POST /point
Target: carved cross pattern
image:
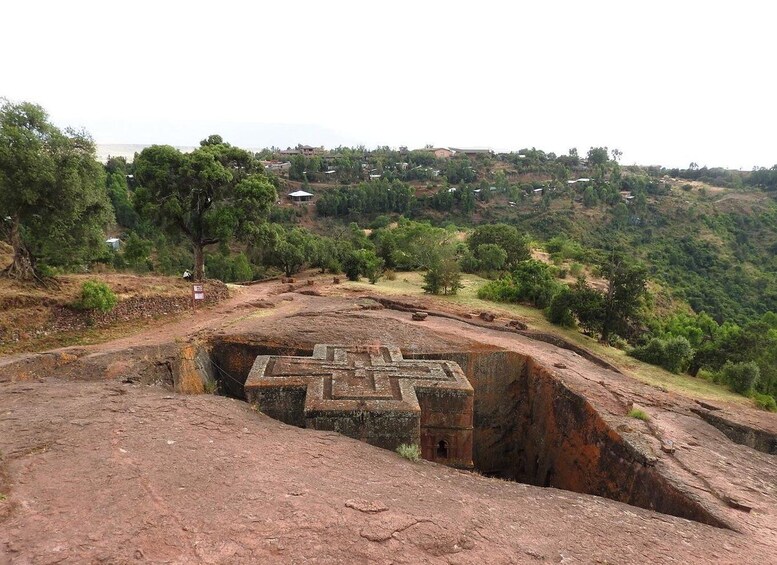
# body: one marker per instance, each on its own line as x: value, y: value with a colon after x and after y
x: 372, y: 394
x: 336, y: 377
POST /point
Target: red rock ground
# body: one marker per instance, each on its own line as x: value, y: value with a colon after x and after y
x: 97, y: 470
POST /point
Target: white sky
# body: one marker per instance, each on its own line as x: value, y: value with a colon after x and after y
x: 666, y: 82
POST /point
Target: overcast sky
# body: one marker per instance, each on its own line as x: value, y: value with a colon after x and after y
x: 666, y: 82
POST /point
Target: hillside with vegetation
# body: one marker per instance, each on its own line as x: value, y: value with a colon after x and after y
x: 677, y: 267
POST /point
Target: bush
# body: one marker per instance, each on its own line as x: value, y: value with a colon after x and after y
x: 97, y: 295
x: 741, y: 377
x: 560, y: 310
x: 531, y: 282
x: 443, y: 277
x: 765, y: 401
x: 469, y: 263
x: 490, y: 257
x: 229, y: 268
x: 410, y: 452
x: 502, y: 290
x: 673, y: 354
x: 576, y: 269
x: 639, y: 414
x: 352, y: 266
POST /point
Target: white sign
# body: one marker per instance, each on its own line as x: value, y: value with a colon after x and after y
x: 199, y: 292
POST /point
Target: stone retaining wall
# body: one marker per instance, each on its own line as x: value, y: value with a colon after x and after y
x: 68, y: 318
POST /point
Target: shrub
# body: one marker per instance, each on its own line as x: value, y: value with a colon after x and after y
x: 443, y: 277
x: 97, y: 295
x: 531, y: 282
x: 333, y: 266
x: 560, y: 310
x: 410, y: 452
x: 229, y: 268
x: 490, y: 257
x: 536, y: 283
x: 765, y: 401
x: 352, y: 266
x: 673, y: 354
x: 575, y: 269
x: 469, y: 263
x: 502, y: 290
x: 639, y: 414
x: 677, y: 354
x: 741, y: 377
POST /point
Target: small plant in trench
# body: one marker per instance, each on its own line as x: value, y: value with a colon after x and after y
x: 410, y: 452
x: 639, y: 414
x: 211, y: 387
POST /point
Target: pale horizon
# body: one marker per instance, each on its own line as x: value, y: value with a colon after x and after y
x: 666, y: 84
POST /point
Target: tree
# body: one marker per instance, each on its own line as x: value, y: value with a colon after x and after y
x: 290, y: 249
x: 559, y: 311
x: 505, y: 236
x: 534, y: 283
x: 386, y: 247
x: 136, y: 252
x: 443, y: 277
x: 587, y: 304
x: 741, y: 377
x: 620, y: 214
x: 598, y: 156
x: 353, y: 265
x: 118, y: 192
x: 590, y: 197
x: 490, y: 257
x: 372, y: 265
x: 626, y: 285
x: 52, y: 192
x: 211, y: 195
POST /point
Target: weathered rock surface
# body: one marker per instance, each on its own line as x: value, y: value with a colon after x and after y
x: 98, y: 466
x: 107, y: 472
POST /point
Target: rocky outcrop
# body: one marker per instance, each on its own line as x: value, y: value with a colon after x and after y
x: 530, y: 427
x: 759, y: 439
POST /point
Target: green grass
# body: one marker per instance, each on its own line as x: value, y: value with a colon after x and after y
x: 410, y: 283
x: 639, y: 414
x: 411, y: 452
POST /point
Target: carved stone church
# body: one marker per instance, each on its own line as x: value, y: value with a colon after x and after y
x: 372, y: 394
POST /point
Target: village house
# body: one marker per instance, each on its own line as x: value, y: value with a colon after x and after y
x: 304, y: 150
x: 300, y: 196
x: 439, y: 152
x: 472, y: 152
x: 278, y: 167
x: 443, y: 153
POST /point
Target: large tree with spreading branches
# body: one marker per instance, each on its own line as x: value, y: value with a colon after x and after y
x: 213, y: 194
x: 53, y: 204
